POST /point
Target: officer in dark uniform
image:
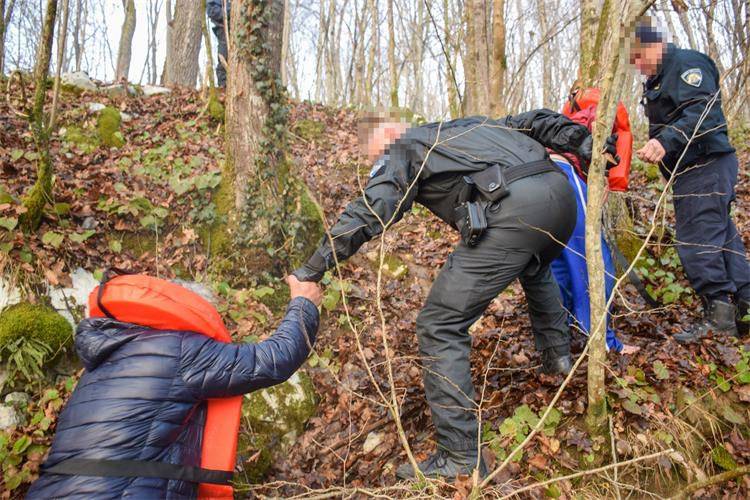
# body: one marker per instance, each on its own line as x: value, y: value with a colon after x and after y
x: 218, y: 13
x: 494, y: 182
x: 688, y: 140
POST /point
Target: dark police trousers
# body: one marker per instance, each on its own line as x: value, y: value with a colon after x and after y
x: 711, y: 251
x: 221, y: 39
x: 519, y: 243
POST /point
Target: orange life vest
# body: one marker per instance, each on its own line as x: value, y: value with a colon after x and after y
x: 581, y: 99
x: 163, y: 305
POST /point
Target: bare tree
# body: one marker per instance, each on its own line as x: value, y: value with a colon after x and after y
x: 6, y: 11
x: 183, y: 44
x: 393, y: 70
x: 499, y: 62
x: 41, y: 191
x: 124, y: 51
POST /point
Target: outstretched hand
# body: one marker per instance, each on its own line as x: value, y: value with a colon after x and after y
x: 610, y: 151
x: 307, y: 289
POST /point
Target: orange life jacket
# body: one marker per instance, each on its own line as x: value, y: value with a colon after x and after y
x: 163, y: 305
x: 581, y: 100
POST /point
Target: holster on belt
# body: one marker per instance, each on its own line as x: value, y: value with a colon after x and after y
x: 486, y: 187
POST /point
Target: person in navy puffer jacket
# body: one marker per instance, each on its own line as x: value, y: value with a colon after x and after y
x: 142, y: 397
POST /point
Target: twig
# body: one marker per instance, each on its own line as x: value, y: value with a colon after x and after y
x: 614, y: 457
x: 587, y: 472
x: 717, y: 479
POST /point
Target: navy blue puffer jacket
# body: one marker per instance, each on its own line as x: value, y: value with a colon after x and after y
x: 142, y: 397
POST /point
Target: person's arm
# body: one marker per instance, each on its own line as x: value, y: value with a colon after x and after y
x: 695, y: 101
x: 554, y: 131
x: 213, y: 369
x: 388, y: 195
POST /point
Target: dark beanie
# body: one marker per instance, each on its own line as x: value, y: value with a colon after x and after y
x: 647, y: 33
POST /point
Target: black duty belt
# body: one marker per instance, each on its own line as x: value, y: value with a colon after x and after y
x: 492, y: 182
x: 138, y: 468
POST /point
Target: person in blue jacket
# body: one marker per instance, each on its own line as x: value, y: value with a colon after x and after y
x: 141, y: 398
x: 570, y: 269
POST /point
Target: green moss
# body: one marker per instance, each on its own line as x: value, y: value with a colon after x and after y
x: 38, y: 322
x: 5, y: 196
x: 137, y: 243
x: 309, y: 130
x: 312, y: 230
x: 71, y: 89
x: 84, y: 140
x: 215, y: 108
x: 272, y: 420
x: 108, y: 127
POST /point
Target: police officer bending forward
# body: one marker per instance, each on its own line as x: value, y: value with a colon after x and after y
x: 688, y: 140
x: 493, y: 181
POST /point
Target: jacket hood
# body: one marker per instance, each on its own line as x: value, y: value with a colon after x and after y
x: 97, y: 338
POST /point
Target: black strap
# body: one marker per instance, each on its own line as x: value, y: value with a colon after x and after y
x: 108, y: 275
x: 517, y: 172
x: 138, y: 468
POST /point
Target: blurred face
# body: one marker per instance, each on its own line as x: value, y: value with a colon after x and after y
x: 647, y: 57
x: 381, y: 137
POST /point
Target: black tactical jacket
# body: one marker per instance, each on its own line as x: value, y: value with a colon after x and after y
x: 675, y: 99
x: 427, y: 163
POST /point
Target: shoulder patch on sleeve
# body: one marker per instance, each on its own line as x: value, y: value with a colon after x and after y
x: 379, y: 166
x: 693, y: 77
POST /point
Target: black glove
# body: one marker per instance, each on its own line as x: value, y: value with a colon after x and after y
x: 584, y: 152
x: 313, y: 269
x: 610, y: 147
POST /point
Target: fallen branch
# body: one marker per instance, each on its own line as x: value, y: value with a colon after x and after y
x: 588, y: 472
x: 713, y: 480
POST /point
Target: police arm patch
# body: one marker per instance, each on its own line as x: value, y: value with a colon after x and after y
x: 693, y: 77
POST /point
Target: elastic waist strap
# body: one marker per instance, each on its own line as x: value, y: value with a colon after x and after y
x: 138, y: 468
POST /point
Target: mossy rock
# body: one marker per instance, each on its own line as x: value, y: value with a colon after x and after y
x: 37, y: 322
x: 136, y: 243
x: 309, y: 130
x: 86, y: 141
x: 108, y: 127
x: 272, y: 421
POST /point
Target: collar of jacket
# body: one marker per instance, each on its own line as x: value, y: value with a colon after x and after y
x: 666, y: 62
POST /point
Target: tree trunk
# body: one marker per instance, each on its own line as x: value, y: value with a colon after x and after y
x: 372, y: 57
x: 499, y: 61
x: 548, y: 94
x: 266, y: 218
x: 470, y: 58
x: 184, y: 44
x: 77, y: 35
x: 41, y: 192
x: 124, y: 51
x: 618, y: 27
x: 6, y: 11
x: 393, y: 71
x: 285, y: 43
x: 589, y: 23
x: 454, y: 104
x: 62, y: 36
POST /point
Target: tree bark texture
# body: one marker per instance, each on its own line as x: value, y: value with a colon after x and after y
x: 184, y: 44
x: 125, y: 50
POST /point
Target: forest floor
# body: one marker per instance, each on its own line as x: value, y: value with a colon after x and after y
x: 142, y: 206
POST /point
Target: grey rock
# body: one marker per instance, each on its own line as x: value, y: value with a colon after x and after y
x: 95, y: 107
x: 149, y: 90
x: 8, y: 417
x: 89, y: 223
x: 78, y: 79
x: 17, y: 399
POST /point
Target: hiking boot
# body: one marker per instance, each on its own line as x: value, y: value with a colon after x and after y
x: 743, y: 317
x: 719, y: 318
x: 556, y: 360
x: 445, y: 464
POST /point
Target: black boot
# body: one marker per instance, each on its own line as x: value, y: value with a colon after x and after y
x: 445, y: 464
x: 719, y: 318
x: 743, y: 317
x: 556, y: 360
